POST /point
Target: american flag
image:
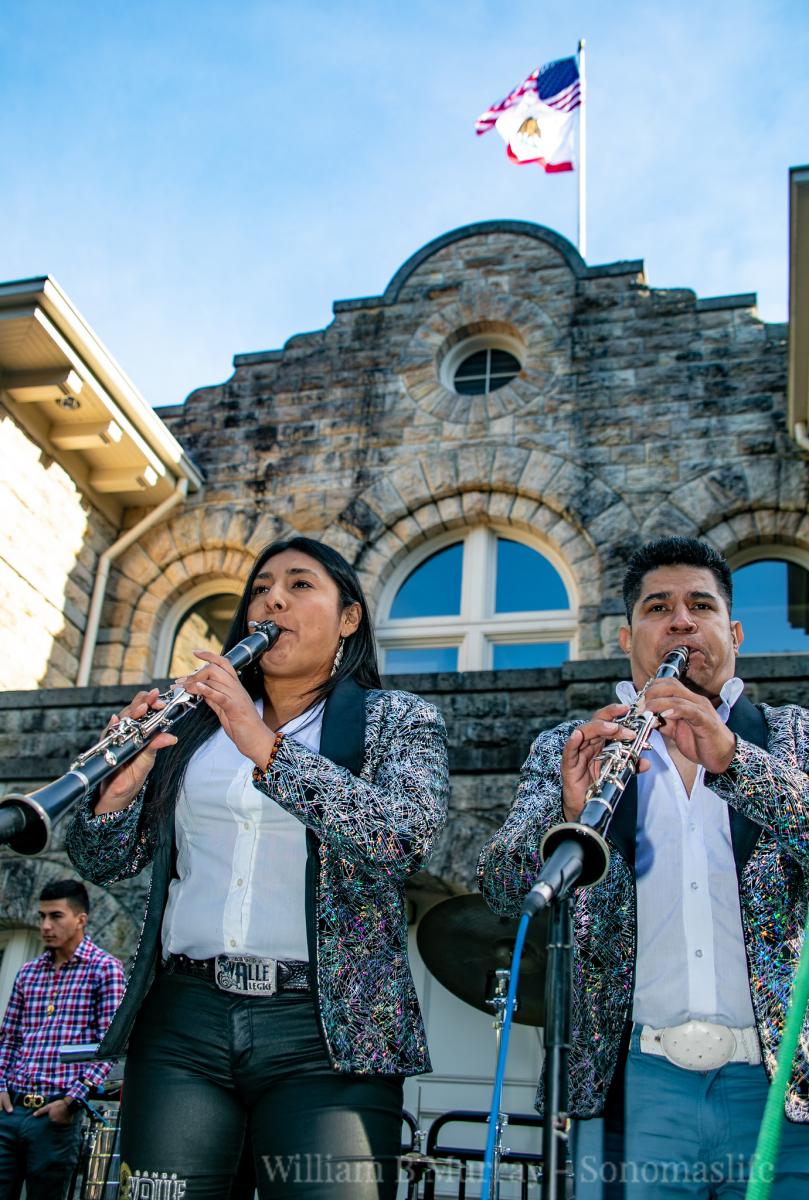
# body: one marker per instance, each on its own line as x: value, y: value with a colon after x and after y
x: 556, y: 84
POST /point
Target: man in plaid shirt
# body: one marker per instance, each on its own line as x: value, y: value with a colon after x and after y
x: 68, y: 995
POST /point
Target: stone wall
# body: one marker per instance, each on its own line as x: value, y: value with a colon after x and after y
x: 491, y: 718
x: 50, y: 540
x: 638, y: 411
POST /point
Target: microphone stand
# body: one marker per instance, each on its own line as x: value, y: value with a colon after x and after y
x: 558, y: 989
x: 576, y: 853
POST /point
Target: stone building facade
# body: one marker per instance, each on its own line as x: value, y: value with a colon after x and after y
x: 633, y: 412
x: 637, y: 411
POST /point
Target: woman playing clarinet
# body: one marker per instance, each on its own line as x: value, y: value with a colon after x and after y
x: 270, y: 1006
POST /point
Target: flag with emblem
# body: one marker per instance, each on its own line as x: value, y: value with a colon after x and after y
x: 537, y: 119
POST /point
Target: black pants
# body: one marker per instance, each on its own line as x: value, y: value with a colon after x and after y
x: 206, y: 1069
x: 38, y: 1151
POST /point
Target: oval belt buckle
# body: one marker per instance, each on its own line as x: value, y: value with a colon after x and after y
x: 698, y: 1045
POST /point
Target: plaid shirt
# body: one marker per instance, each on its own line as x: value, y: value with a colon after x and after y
x: 82, y: 998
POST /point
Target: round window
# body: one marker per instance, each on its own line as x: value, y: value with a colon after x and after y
x: 485, y: 371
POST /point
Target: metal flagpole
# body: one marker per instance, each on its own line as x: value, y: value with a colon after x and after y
x: 582, y: 163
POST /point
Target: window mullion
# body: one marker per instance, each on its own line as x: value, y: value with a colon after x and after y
x: 472, y: 655
x: 473, y: 600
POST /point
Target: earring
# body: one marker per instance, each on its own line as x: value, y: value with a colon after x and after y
x: 338, y: 658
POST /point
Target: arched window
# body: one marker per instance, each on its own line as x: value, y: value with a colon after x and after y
x: 484, y: 600
x: 198, y: 619
x: 204, y: 627
x: 771, y: 599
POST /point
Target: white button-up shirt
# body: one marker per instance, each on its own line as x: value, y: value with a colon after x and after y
x: 691, y: 959
x: 241, y: 860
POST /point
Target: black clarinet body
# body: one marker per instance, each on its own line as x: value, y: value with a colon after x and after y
x: 26, y: 820
x: 576, y: 853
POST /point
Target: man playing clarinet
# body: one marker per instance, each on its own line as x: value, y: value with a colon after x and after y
x: 685, y: 953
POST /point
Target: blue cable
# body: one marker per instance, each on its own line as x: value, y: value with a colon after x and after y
x: 488, y: 1161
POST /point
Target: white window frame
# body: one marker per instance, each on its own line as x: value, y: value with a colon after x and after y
x: 179, y: 611
x: 478, y: 628
x: 481, y: 341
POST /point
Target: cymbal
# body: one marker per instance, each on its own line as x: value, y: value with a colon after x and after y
x: 463, y: 943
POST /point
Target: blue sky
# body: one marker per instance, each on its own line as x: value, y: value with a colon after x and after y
x: 205, y: 178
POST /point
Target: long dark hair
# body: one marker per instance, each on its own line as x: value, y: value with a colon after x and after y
x: 358, y: 663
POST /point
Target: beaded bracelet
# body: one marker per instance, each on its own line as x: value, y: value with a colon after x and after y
x: 259, y: 772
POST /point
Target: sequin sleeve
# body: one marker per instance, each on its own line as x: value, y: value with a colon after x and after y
x: 112, y: 846
x: 388, y: 818
x: 771, y: 786
x: 509, y: 862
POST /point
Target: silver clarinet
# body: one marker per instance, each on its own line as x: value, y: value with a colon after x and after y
x: 26, y: 820
x: 619, y: 762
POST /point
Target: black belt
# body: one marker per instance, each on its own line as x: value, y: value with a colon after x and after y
x: 243, y: 974
x: 34, y: 1099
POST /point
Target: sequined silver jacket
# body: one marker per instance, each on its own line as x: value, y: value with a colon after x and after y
x: 368, y: 829
x: 767, y: 792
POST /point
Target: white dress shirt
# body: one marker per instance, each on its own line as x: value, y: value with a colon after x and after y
x: 241, y: 860
x: 691, y: 959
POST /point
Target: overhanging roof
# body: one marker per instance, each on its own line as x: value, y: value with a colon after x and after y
x: 67, y: 391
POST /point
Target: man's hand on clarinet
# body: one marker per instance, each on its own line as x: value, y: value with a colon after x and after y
x: 693, y: 724
x: 124, y: 784
x: 580, y: 757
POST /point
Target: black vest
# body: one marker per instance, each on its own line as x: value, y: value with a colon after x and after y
x: 747, y: 722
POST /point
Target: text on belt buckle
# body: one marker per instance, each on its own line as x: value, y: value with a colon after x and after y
x: 33, y: 1100
x: 245, y: 975
x: 698, y: 1045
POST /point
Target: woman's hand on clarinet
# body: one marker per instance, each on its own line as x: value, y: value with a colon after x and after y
x: 218, y: 685
x: 581, y: 755
x: 123, y: 786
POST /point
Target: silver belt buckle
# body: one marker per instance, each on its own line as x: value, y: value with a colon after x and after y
x: 245, y: 975
x: 698, y: 1045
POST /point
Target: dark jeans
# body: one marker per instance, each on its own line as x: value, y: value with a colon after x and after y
x: 206, y: 1069
x: 38, y: 1152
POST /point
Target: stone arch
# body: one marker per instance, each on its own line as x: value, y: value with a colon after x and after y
x: 159, y: 597
x: 765, y: 527
x: 491, y: 508
x: 741, y: 485
x: 200, y: 543
x: 534, y: 490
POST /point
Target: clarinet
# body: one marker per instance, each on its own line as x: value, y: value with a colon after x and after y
x: 26, y: 820
x: 576, y: 852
